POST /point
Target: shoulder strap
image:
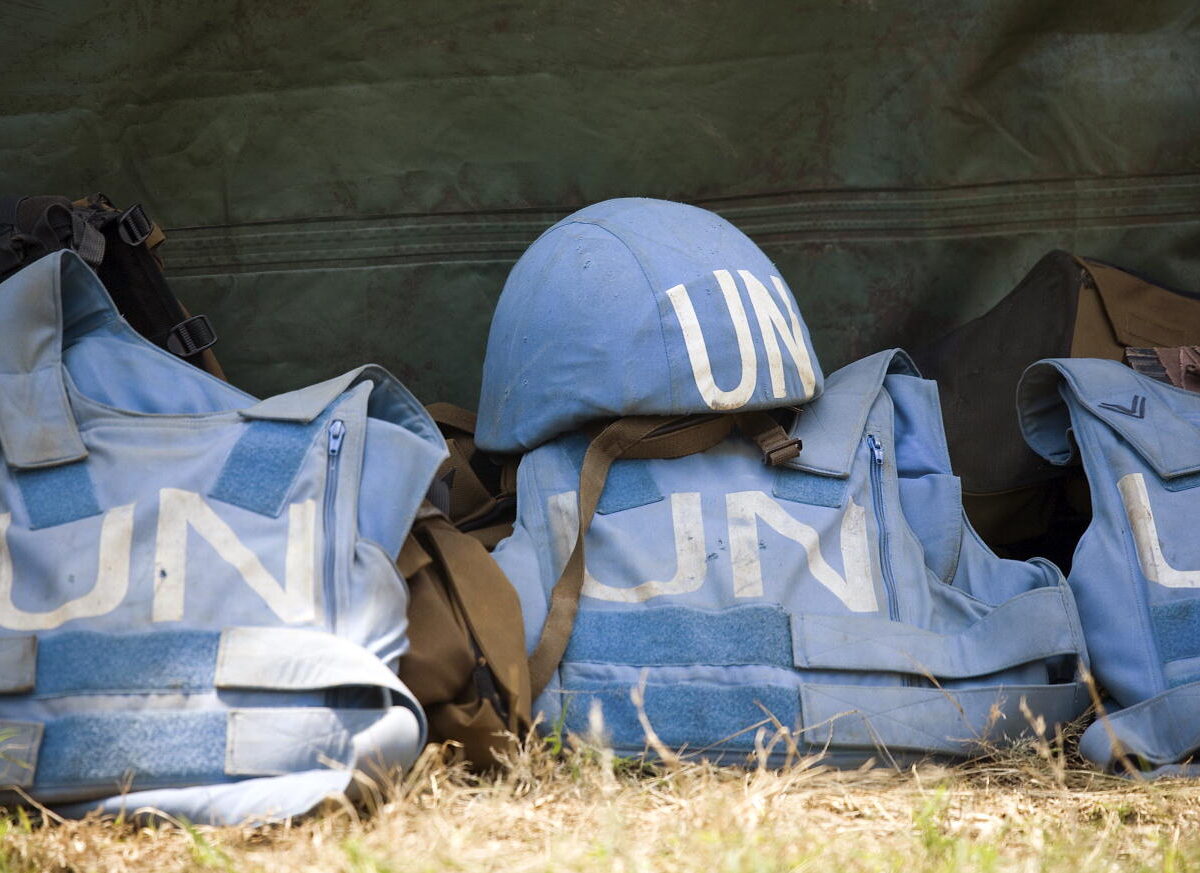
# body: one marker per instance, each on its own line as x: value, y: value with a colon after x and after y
x: 642, y: 436
x: 37, y: 425
x: 455, y: 417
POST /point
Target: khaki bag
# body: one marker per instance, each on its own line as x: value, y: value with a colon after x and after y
x: 466, y: 662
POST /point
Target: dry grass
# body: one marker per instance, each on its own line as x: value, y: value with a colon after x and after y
x: 1028, y: 809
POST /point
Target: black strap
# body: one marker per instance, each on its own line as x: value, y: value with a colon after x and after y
x: 191, y: 336
x: 134, y: 226
x: 8, y: 210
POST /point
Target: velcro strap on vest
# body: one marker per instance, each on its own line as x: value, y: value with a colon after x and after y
x: 935, y: 720
x: 114, y: 751
x: 264, y: 462
x: 1030, y: 627
x: 700, y: 717
x: 683, y: 715
x: 1159, y: 731
x: 259, y: 658
x: 664, y: 636
x: 170, y: 746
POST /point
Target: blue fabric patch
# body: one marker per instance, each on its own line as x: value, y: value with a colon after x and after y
x: 1181, y: 483
x: 81, y: 662
x: 801, y: 487
x: 629, y: 483
x: 1177, y: 629
x: 695, y: 715
x: 667, y: 635
x: 259, y: 471
x: 57, y: 495
x: 156, y: 748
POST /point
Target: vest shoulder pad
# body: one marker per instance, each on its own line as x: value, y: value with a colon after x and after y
x: 831, y: 426
x: 1150, y: 416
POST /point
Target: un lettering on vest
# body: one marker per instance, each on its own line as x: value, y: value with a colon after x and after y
x: 746, y: 512
x: 777, y: 323
x: 1146, y: 541
x: 179, y: 512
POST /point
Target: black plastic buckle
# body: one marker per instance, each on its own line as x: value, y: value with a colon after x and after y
x: 134, y: 226
x: 782, y: 452
x: 191, y: 336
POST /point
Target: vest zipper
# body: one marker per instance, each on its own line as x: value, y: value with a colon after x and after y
x: 885, y: 556
x: 337, y: 433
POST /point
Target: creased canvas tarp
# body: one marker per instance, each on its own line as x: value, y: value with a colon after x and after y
x: 349, y: 181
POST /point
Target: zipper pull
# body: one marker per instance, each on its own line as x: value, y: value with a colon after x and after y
x: 876, y: 449
x: 337, y: 433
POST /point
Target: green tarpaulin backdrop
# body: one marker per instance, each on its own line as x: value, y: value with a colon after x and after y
x: 350, y: 181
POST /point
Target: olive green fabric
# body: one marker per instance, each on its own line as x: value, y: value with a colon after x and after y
x: 348, y: 181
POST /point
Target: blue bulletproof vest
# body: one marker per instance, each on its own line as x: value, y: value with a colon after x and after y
x: 841, y: 596
x: 199, y: 608
x: 1136, y: 570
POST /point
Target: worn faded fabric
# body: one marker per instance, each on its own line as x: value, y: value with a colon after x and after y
x: 1136, y: 570
x: 839, y: 597
x: 623, y: 308
x: 199, y: 608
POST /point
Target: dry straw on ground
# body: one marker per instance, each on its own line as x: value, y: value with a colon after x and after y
x: 1030, y: 809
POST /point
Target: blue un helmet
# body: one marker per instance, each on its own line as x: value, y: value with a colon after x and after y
x: 639, y: 307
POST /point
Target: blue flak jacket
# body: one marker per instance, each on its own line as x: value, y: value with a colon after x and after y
x: 842, y: 596
x: 199, y: 607
x: 1136, y: 570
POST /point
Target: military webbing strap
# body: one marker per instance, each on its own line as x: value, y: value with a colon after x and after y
x: 478, y: 507
x: 453, y: 416
x: 641, y: 437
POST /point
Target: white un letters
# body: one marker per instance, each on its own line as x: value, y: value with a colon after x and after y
x: 745, y: 512
x: 1146, y: 541
x: 293, y: 601
x: 775, y: 325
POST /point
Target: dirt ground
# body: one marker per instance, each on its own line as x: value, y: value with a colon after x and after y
x: 1036, y: 808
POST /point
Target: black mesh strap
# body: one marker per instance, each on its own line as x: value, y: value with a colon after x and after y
x: 87, y: 240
